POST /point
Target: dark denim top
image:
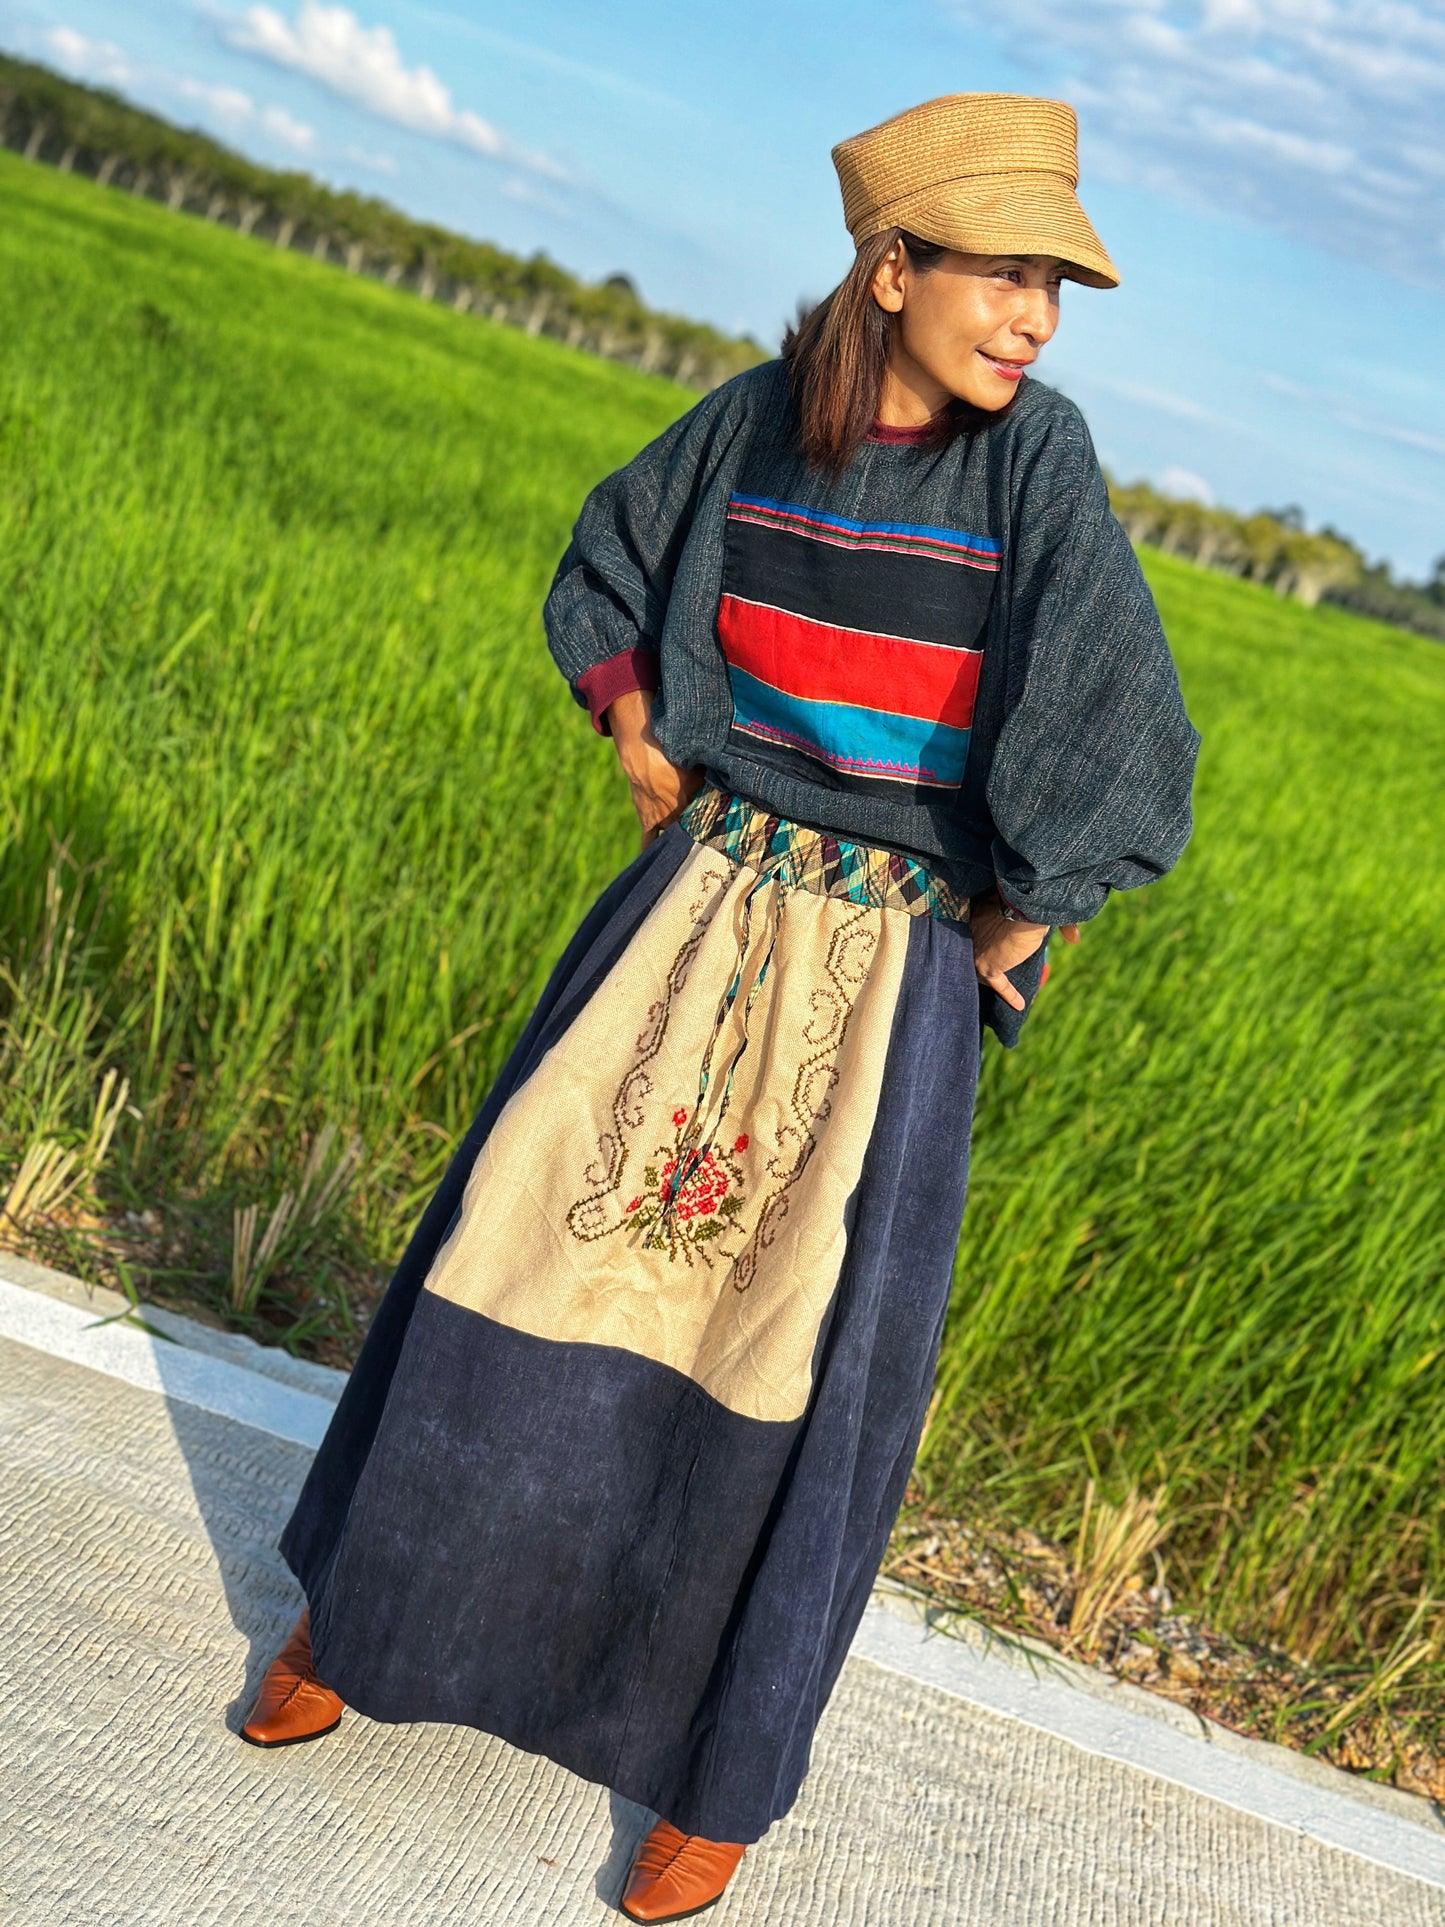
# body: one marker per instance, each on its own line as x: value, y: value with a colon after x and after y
x: 1081, y: 755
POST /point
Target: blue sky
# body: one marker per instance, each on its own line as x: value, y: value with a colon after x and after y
x: 1268, y: 174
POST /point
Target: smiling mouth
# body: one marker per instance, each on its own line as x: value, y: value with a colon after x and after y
x: 1009, y: 370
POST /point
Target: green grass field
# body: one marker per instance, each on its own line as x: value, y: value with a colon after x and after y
x: 295, y: 814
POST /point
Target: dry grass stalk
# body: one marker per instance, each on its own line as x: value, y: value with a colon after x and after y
x: 1405, y: 1656
x: 243, y: 1237
x: 1113, y: 1541
x: 251, y: 1264
x: 42, y: 1182
x: 49, y: 1174
x: 303, y: 1209
x: 111, y: 1100
x: 330, y: 1189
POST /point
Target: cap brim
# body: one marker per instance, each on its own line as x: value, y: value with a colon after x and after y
x: 1003, y: 214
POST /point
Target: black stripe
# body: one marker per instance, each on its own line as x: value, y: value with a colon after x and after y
x: 823, y: 776
x: 893, y: 595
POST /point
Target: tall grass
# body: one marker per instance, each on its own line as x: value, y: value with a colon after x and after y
x: 274, y: 698
x: 1205, y: 1236
x: 295, y: 814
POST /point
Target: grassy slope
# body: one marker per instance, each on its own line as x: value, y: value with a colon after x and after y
x: 272, y: 547
x: 1204, y: 1242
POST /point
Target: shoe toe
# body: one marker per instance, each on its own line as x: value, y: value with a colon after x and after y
x: 677, y: 1875
x: 305, y: 1713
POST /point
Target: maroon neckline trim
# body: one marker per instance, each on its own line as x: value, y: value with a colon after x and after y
x: 880, y: 432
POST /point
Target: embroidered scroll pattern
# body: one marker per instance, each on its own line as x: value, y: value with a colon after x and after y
x: 707, y: 1219
x: 588, y: 1218
x: 727, y: 1276
x: 850, y: 951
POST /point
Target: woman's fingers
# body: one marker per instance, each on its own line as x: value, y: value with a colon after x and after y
x: 658, y: 811
x: 660, y: 790
x: 1001, y: 987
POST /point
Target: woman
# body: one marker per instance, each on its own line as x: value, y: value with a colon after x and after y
x: 617, y: 1466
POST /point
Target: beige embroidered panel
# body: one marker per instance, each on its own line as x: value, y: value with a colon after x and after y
x: 570, y: 1228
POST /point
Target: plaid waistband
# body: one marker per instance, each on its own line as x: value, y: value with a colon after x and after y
x: 816, y: 860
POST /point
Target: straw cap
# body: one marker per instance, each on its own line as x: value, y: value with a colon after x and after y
x: 983, y: 173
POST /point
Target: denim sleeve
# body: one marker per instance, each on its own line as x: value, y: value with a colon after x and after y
x: 609, y: 596
x: 1089, y: 789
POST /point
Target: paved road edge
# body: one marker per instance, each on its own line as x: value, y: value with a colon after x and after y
x: 219, y: 1372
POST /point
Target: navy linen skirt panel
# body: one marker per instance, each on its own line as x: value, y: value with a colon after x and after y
x: 617, y: 1465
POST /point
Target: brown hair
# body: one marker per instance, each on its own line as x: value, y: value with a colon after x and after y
x: 836, y: 353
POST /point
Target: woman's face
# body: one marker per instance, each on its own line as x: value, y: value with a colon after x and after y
x: 970, y: 326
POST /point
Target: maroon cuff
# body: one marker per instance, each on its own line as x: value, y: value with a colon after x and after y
x: 606, y: 681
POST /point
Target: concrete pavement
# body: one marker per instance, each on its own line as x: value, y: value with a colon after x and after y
x: 141, y: 1597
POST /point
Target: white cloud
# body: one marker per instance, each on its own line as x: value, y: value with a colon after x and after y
x: 603, y: 79
x: 226, y: 103
x: 517, y: 187
x: 1184, y: 482
x: 236, y: 109
x: 95, y: 59
x: 285, y: 128
x: 1314, y: 156
x: 1159, y: 398
x: 1391, y: 431
x: 366, y: 157
x: 363, y: 64
x: 1349, y: 414
x: 1319, y: 118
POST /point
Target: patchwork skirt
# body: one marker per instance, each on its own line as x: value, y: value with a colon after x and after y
x: 617, y: 1465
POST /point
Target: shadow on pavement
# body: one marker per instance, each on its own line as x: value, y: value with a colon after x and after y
x: 629, y: 1823
x: 245, y: 1483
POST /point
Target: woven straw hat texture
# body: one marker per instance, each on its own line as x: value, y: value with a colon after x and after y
x: 983, y: 173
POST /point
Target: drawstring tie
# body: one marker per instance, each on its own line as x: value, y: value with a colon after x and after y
x: 698, y: 1138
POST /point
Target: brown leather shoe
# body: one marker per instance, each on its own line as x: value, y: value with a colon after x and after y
x: 676, y: 1875
x: 292, y: 1704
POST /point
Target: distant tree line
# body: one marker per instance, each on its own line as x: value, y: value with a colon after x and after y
x: 91, y: 131
x: 1273, y: 546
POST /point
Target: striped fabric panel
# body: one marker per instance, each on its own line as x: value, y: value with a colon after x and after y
x: 856, y: 742
x: 824, y: 685
x: 897, y: 538
x: 820, y: 662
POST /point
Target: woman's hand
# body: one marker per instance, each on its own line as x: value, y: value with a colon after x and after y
x: 1001, y: 944
x: 660, y: 790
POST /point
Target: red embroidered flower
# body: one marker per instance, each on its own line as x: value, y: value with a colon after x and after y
x: 636, y: 1205
x: 679, y: 1117
x: 703, y: 1192
x: 742, y: 1143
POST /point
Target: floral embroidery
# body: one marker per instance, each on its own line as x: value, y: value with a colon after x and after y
x: 705, y: 1207
x: 705, y: 1217
x: 588, y: 1219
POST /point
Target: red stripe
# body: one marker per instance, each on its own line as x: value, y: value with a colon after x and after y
x: 827, y: 665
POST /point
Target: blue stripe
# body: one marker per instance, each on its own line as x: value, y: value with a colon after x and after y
x: 865, y: 742
x: 841, y: 522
